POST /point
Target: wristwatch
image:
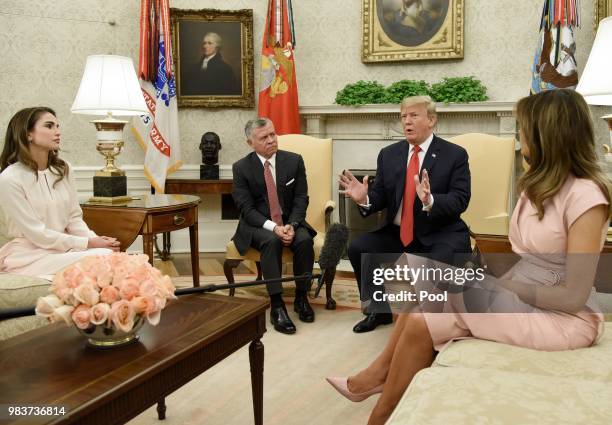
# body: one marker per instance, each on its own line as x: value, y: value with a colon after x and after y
x: 295, y: 224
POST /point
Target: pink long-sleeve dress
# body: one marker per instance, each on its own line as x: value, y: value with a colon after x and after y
x: 542, y: 245
x: 44, y: 221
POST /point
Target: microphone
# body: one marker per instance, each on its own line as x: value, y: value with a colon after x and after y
x: 331, y: 252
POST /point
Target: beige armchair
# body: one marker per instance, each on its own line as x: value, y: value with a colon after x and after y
x: 317, y: 154
x: 491, y: 167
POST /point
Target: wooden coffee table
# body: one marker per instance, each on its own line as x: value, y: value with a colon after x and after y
x: 52, y: 365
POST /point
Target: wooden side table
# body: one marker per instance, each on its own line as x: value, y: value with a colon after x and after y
x: 147, y: 216
x: 198, y: 186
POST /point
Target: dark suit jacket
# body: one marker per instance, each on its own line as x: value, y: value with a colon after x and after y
x: 449, y: 177
x: 251, y: 196
x: 217, y: 79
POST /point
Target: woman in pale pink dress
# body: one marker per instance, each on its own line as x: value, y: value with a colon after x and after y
x: 39, y: 200
x: 558, y: 228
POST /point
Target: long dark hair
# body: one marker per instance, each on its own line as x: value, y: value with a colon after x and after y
x: 16, y: 144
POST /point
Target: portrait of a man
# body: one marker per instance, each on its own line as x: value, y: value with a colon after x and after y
x: 213, y: 57
x: 210, y: 74
x: 411, y: 22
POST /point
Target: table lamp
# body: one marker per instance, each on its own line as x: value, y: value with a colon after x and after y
x: 595, y: 85
x: 109, y: 87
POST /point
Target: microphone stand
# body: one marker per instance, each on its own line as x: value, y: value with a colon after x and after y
x: 13, y: 313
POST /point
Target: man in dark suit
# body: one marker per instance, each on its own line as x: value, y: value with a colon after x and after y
x: 211, y: 75
x: 424, y: 184
x: 271, y: 193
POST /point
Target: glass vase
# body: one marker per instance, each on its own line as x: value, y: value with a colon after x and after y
x: 102, y: 336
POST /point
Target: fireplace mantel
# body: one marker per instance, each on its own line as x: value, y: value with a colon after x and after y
x: 381, y: 122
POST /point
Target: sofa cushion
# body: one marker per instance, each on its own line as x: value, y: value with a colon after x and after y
x: 458, y: 395
x: 14, y: 327
x: 587, y: 363
x: 21, y: 291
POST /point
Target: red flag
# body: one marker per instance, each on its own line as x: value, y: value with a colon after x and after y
x: 278, y: 95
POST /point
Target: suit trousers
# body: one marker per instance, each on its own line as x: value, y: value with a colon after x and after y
x: 387, y: 241
x: 271, y: 249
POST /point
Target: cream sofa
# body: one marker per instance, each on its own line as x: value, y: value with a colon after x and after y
x: 19, y: 291
x: 474, y: 381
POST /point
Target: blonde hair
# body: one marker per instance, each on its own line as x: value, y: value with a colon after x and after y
x: 557, y: 128
x: 420, y: 100
x: 16, y: 144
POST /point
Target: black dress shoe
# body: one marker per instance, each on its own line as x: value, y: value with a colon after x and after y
x: 281, y: 321
x: 371, y: 321
x: 302, y: 307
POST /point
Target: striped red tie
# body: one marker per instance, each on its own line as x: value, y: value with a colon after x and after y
x: 407, y: 223
x: 275, y: 209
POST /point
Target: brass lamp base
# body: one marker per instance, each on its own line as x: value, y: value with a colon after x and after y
x: 109, y: 183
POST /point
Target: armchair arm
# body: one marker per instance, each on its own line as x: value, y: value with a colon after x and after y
x: 329, y: 207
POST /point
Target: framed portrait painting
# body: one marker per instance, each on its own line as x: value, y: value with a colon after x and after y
x: 403, y: 30
x: 213, y: 57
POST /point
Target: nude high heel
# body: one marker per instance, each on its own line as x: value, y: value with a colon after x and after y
x: 341, y: 385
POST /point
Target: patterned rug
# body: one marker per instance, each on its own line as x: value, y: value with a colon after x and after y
x: 344, y: 290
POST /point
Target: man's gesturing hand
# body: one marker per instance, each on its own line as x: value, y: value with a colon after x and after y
x: 423, y: 189
x: 357, y: 191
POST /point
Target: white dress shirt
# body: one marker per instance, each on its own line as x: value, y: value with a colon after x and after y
x: 205, y: 62
x: 424, y: 148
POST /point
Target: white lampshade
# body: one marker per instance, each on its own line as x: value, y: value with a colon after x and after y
x: 596, y: 82
x: 109, y: 85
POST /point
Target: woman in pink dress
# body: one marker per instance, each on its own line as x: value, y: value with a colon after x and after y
x: 558, y: 228
x: 39, y: 200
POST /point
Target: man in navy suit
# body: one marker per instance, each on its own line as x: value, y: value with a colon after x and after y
x: 424, y: 196
x: 271, y: 193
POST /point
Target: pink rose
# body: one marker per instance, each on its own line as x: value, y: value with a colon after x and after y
x: 62, y: 313
x: 148, y: 288
x: 129, y: 289
x: 87, y: 294
x: 122, y: 315
x: 82, y: 316
x: 63, y: 292
x: 144, y: 305
x: 168, y: 286
x: 72, y: 276
x: 119, y: 274
x: 153, y: 318
x: 109, y: 295
x: 45, y: 306
x: 99, y: 313
x: 105, y: 278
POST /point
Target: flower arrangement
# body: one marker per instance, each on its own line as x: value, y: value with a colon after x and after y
x: 109, y: 290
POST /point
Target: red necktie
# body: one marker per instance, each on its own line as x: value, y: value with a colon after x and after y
x: 407, y: 223
x: 275, y: 209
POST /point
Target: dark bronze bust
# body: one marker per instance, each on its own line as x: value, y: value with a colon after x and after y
x: 210, y: 145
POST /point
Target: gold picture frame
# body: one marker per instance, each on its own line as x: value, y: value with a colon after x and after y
x: 404, y: 30
x: 221, y: 74
x: 604, y: 9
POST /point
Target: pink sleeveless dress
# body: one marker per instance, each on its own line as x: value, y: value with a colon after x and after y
x: 542, y: 245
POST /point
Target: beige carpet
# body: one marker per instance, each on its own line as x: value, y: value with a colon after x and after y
x: 295, y: 390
